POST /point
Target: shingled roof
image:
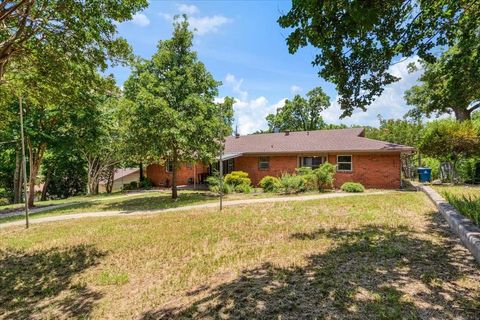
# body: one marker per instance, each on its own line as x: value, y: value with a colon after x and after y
x: 324, y: 141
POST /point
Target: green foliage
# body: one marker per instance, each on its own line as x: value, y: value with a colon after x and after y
x: 352, y: 187
x: 243, y: 188
x: 433, y: 164
x: 325, y: 176
x: 270, y: 184
x: 170, y: 111
x: 450, y: 84
x: 358, y: 41
x: 292, y: 183
x: 400, y: 131
x: 450, y: 140
x: 4, y: 201
x: 308, y: 176
x: 236, y: 178
x: 65, y: 31
x: 146, y: 184
x: 467, y: 205
x: 65, y: 173
x: 301, y: 114
x: 216, y: 184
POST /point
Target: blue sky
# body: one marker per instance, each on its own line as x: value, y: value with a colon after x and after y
x: 242, y: 45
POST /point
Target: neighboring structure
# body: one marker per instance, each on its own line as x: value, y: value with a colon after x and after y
x: 121, y: 177
x: 375, y: 164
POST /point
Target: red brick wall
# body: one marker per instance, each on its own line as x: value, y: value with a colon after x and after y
x: 159, y: 175
x: 278, y: 165
x: 372, y: 170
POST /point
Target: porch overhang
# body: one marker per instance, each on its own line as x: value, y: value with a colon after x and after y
x: 228, y: 156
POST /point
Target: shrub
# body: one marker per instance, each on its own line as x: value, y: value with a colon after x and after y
x: 133, y: 185
x: 270, y: 184
x: 4, y: 201
x: 226, y: 188
x: 324, y: 176
x: 236, y: 178
x: 292, y: 183
x: 352, y: 187
x: 214, y: 183
x: 243, y: 188
x: 146, y: 184
x: 308, y: 176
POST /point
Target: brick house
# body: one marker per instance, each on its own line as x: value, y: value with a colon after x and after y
x: 375, y: 164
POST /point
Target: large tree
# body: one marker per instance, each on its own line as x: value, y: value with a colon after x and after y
x: 171, y: 114
x: 300, y: 113
x: 81, y: 31
x: 359, y: 40
x: 451, y: 84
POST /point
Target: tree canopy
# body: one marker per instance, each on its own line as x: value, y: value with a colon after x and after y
x: 451, y: 84
x: 170, y: 112
x: 84, y: 32
x: 300, y: 113
x: 359, y: 40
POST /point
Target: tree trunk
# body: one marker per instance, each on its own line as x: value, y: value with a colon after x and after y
x: 462, y: 114
x: 110, y: 176
x: 35, y: 160
x: 17, y: 178
x: 174, y: 178
x: 142, y: 177
x: 45, y: 187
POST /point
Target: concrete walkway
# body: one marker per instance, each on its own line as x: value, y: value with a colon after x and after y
x: 185, y: 208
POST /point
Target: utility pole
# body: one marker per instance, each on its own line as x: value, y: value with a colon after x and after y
x: 24, y: 162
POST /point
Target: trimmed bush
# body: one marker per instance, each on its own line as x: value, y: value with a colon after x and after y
x: 4, y: 201
x: 352, y: 187
x: 236, y: 178
x: 243, y: 188
x: 292, y: 183
x: 270, y: 184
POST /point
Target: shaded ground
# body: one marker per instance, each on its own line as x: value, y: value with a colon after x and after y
x: 41, y: 282
x: 377, y: 257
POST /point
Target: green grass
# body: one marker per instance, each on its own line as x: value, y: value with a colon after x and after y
x: 377, y: 257
x: 142, y: 201
x: 466, y: 199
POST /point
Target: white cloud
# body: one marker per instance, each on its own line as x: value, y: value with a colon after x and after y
x: 236, y: 86
x: 250, y: 114
x: 204, y: 25
x: 188, y: 9
x: 201, y: 25
x: 141, y: 20
x: 295, y: 89
x: 390, y: 104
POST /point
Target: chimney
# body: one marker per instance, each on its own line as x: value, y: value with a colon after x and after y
x: 287, y: 132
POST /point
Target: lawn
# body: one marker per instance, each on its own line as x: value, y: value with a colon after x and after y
x: 155, y: 200
x: 378, y: 257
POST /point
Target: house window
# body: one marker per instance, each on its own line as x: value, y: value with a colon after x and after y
x: 169, y: 166
x: 312, y: 162
x: 344, y: 163
x: 263, y: 163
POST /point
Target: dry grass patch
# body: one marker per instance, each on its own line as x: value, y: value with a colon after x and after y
x: 378, y: 256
